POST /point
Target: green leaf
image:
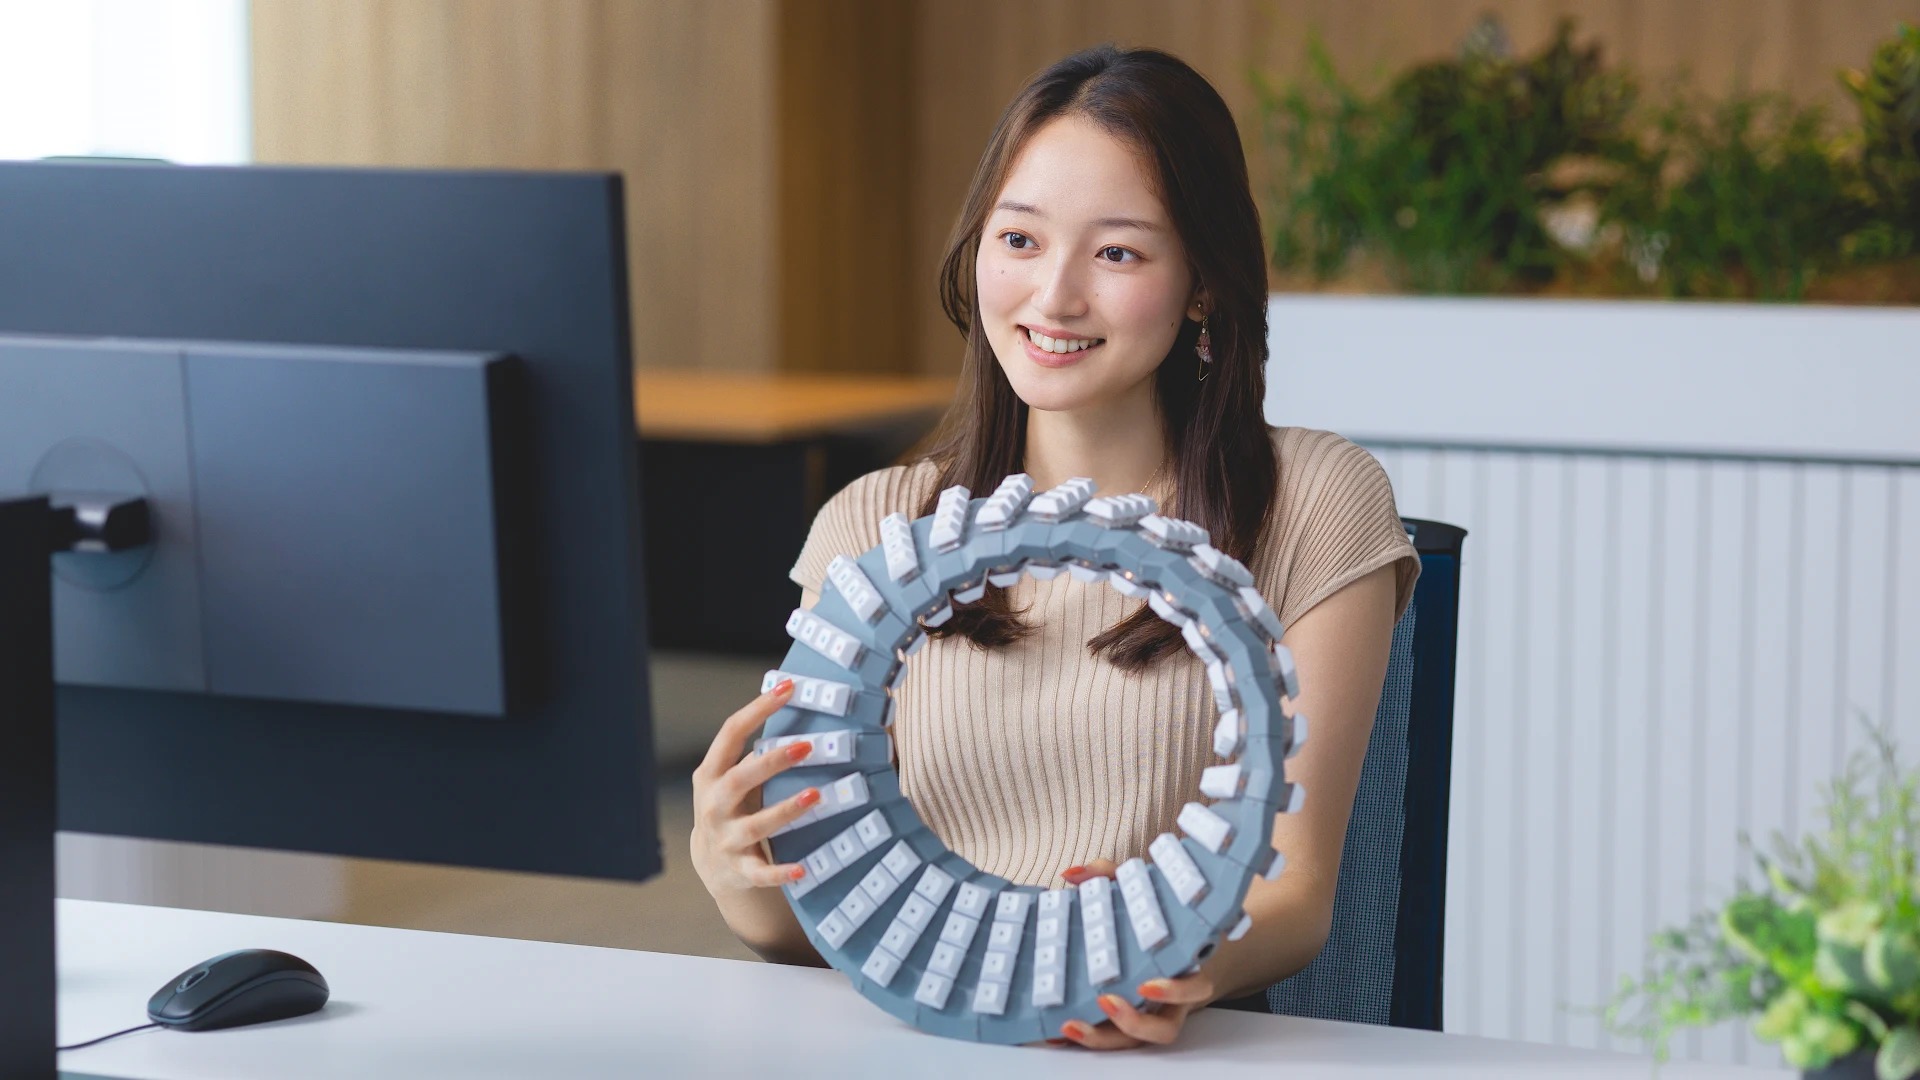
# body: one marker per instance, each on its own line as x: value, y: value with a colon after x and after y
x: 1770, y: 934
x: 1893, y: 959
x: 1899, y: 1056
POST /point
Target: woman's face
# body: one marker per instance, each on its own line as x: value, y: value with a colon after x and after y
x: 1082, y: 282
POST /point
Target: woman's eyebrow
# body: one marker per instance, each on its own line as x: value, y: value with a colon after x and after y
x: 1110, y: 222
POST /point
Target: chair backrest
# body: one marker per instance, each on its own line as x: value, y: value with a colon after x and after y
x: 1382, y: 961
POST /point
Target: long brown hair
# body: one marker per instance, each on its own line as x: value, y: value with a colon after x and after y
x: 1222, y: 456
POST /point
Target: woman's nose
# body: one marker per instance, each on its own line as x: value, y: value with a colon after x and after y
x: 1062, y: 291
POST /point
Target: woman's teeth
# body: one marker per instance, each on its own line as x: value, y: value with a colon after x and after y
x: 1061, y: 345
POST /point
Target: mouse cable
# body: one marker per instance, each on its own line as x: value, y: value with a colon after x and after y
x: 104, y: 1038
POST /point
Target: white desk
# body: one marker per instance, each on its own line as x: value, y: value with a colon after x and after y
x: 409, y: 1004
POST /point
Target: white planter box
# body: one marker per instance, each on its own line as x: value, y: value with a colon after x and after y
x: 1693, y: 558
x: 1747, y: 378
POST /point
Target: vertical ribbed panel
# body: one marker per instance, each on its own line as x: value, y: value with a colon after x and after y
x: 1657, y: 654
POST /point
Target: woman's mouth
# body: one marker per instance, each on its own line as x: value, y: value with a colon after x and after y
x: 1056, y: 352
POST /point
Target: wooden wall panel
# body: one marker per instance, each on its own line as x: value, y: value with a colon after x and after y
x: 845, y: 115
x: 676, y: 95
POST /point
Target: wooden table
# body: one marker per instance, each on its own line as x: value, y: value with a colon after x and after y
x: 733, y: 468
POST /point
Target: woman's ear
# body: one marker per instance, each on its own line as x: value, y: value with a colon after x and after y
x: 1198, y: 307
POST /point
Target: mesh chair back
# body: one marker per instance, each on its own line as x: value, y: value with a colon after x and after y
x: 1382, y: 960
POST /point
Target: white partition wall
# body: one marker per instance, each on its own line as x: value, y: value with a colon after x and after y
x: 1693, y: 561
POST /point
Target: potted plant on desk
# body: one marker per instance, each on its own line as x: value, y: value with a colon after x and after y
x: 1825, y: 957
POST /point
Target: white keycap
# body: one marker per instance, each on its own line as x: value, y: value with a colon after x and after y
x: 933, y: 990
x: 1296, y: 798
x: 933, y: 884
x: 856, y: 908
x: 997, y: 966
x: 1240, y: 928
x: 1049, y: 989
x: 1006, y: 579
x: 847, y: 847
x: 1157, y: 600
x: 1149, y: 930
x: 1210, y: 829
x: 1173, y: 534
x: 1088, y: 574
x: 1289, y: 675
x: 1299, y: 722
x: 880, y: 966
x: 807, y: 883
x: 818, y: 695
x: 1259, y: 613
x: 1054, y: 901
x: 901, y: 861
x: 899, y: 937
x: 990, y: 998
x: 1005, y: 503
x: 1220, y: 566
x: 1098, y: 935
x: 1050, y: 928
x: 1199, y: 643
x: 1059, y: 503
x: 950, y: 519
x: 972, y: 900
x: 970, y: 596
x: 1012, y: 906
x: 1223, y: 781
x: 896, y: 540
x: 916, y: 912
x: 1048, y: 956
x: 1119, y: 511
x: 937, y: 618
x: 946, y: 959
x: 1127, y: 586
x: 879, y: 884
x: 822, y: 863
x: 959, y: 929
x: 1221, y: 680
x: 1002, y: 936
x: 1182, y: 873
x: 1103, y: 965
x: 1230, y: 734
x: 872, y: 830
x: 1275, y: 867
x: 848, y: 792
x: 835, y: 929
x: 824, y: 638
x: 855, y: 588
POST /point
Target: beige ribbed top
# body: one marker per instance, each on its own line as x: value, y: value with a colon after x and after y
x: 1029, y: 758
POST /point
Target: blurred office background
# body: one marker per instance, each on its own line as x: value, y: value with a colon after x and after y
x: 1694, y: 557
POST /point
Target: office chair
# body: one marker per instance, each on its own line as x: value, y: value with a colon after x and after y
x: 1382, y: 960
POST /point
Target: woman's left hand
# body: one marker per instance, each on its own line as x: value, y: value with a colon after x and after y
x: 1126, y: 1026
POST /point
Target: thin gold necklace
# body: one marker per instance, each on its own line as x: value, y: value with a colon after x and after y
x: 1155, y: 476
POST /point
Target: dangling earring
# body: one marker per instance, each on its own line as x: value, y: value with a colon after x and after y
x: 1203, y: 346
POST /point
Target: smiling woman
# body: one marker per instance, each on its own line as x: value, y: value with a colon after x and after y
x: 1051, y: 729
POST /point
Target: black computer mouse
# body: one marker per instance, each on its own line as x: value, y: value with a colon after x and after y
x: 250, y: 986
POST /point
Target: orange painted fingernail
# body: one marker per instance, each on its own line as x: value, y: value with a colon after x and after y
x: 799, y: 751
x: 808, y: 797
x: 1073, y: 1029
x: 1155, y: 989
x: 1109, y: 1004
x: 781, y: 687
x: 1072, y: 872
x: 797, y: 872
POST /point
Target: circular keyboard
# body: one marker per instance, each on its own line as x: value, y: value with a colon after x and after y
x: 923, y: 933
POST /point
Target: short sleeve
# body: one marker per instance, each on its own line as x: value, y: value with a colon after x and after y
x: 1336, y: 523
x: 849, y: 523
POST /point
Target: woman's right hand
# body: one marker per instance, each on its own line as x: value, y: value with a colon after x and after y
x: 729, y: 822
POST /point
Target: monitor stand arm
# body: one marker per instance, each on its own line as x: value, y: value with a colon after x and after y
x: 31, y: 531
x: 27, y: 529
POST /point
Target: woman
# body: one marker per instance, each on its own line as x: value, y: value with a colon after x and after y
x: 1108, y: 275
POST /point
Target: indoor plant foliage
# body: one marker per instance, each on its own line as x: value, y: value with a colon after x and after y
x: 1554, y: 172
x: 1824, y: 955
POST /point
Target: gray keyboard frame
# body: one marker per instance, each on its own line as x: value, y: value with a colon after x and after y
x: 1254, y: 673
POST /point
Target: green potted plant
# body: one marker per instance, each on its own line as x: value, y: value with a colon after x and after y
x: 1822, y: 957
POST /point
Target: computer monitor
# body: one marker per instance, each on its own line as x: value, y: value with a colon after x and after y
x: 384, y: 421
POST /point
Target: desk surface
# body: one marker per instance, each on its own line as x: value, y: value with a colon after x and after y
x: 746, y: 408
x: 413, y: 1004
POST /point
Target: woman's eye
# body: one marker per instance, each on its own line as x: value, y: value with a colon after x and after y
x: 1117, y: 254
x: 1017, y: 241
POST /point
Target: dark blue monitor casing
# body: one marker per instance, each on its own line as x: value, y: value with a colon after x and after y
x: 544, y: 764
